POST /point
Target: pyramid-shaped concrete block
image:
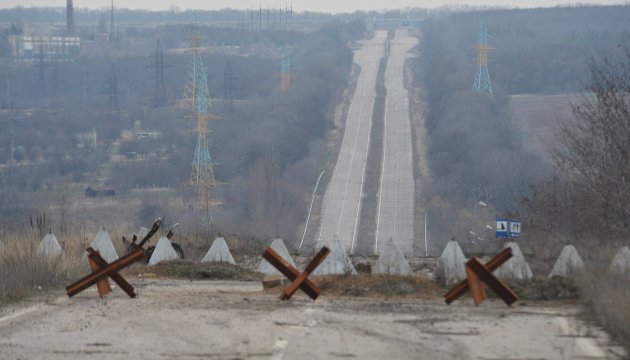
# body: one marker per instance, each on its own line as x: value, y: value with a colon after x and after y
x: 391, y: 261
x: 278, y: 246
x: 569, y: 262
x: 103, y: 244
x: 516, y: 268
x: 50, y: 246
x: 337, y: 262
x: 621, y: 262
x: 163, y: 251
x: 219, y: 252
x: 450, y: 267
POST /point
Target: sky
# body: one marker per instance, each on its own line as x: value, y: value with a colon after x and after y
x: 330, y: 6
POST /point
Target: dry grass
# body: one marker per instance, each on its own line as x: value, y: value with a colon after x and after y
x: 24, y: 271
x: 609, y: 297
x: 201, y: 271
x: 379, y: 286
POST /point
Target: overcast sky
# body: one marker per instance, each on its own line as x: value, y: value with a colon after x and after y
x: 332, y: 6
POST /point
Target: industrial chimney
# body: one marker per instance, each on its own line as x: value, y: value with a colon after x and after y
x: 69, y: 18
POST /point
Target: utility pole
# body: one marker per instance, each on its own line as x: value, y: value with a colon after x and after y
x: 482, y: 79
x: 260, y: 18
x: 41, y: 74
x: 196, y: 95
x: 111, y: 23
x: 228, y: 87
x: 112, y: 90
x: 12, y: 159
x: 160, y: 88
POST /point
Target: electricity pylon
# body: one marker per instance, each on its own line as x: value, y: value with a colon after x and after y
x: 285, y: 70
x: 228, y: 87
x: 112, y: 90
x: 160, y: 89
x: 482, y: 80
x: 197, y: 99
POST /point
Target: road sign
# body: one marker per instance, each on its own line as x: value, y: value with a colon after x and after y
x: 515, y: 229
x: 502, y: 229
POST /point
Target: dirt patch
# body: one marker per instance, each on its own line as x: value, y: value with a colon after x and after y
x: 378, y: 286
x: 201, y: 271
x: 556, y: 288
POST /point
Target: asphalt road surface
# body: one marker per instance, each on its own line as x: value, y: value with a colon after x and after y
x: 180, y: 319
x: 396, y: 195
x: 342, y: 199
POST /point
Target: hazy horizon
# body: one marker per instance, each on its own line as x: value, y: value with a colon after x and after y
x: 329, y: 6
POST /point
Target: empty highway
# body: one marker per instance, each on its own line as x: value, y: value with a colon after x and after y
x: 396, y: 195
x: 342, y: 199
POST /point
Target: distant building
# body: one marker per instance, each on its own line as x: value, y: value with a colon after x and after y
x: 52, y: 47
x: 149, y: 135
x: 99, y: 191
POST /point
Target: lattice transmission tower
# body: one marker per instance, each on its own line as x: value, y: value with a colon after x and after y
x: 197, y: 99
x: 285, y: 69
x: 112, y: 90
x: 482, y: 80
x: 160, y: 89
x: 228, y: 87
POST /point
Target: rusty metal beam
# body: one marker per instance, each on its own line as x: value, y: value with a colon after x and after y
x: 292, y: 288
x: 124, y: 285
x: 290, y: 272
x: 102, y: 284
x: 462, y: 287
x: 504, y: 292
x: 477, y: 290
x: 115, y: 266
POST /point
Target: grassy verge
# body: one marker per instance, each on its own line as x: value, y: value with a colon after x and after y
x: 201, y: 271
x: 25, y: 271
x: 379, y: 286
x: 609, y: 299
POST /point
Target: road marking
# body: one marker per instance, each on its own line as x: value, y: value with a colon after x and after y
x: 278, y: 348
x: 380, y: 188
x: 356, y: 219
x: 586, y: 345
x: 20, y: 313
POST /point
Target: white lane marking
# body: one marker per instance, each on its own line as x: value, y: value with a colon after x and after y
x: 356, y: 137
x: 380, y: 188
x: 20, y: 313
x: 278, y: 348
x: 590, y: 348
x: 587, y: 345
x: 328, y: 194
x: 356, y: 218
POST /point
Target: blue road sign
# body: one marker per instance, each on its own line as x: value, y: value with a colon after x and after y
x: 515, y: 229
x: 503, y: 228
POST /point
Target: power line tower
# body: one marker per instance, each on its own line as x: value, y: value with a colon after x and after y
x: 285, y: 70
x: 482, y: 80
x: 112, y: 29
x: 69, y: 18
x: 112, y: 90
x: 228, y: 87
x: 197, y: 99
x: 160, y: 88
x: 41, y: 71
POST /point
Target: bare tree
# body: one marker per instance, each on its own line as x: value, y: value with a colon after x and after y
x: 594, y: 150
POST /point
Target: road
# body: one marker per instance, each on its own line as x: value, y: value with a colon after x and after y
x: 180, y: 319
x: 342, y: 200
x: 397, y: 190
